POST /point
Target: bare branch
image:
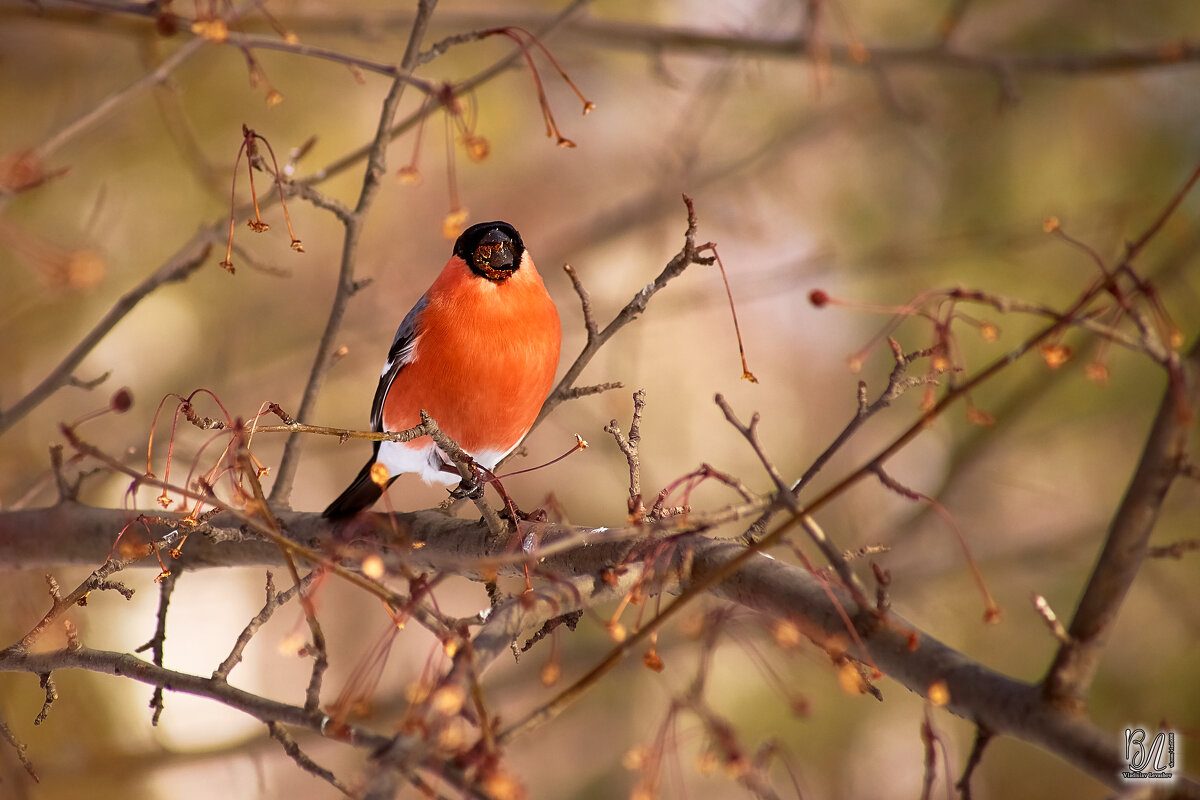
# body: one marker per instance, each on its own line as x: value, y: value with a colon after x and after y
x: 180, y: 266
x: 166, y: 588
x: 19, y: 747
x: 687, y: 255
x: 376, y: 167
x: 46, y: 681
x: 585, y: 302
x: 1004, y: 706
x: 129, y: 666
x: 856, y: 56
x: 982, y: 737
x: 108, y: 105
x: 1125, y: 544
x: 274, y: 600
x: 629, y: 447
x: 1174, y: 549
x: 279, y: 734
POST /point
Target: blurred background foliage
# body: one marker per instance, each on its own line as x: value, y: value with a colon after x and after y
x: 885, y: 162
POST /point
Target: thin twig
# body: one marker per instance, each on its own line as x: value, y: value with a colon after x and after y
x: 833, y: 554
x: 897, y: 383
x: 585, y: 302
x: 46, y: 681
x: 317, y: 649
x: 1174, y: 549
x: 166, y: 588
x: 61, y: 604
x: 20, y: 748
x: 108, y: 105
x: 982, y: 737
x: 274, y: 601
x: 687, y: 256
x: 629, y: 447
x: 303, y: 49
x: 279, y: 734
x: 187, y: 260
x: 587, y: 391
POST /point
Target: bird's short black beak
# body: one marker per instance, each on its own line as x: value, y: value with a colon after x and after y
x: 495, y: 252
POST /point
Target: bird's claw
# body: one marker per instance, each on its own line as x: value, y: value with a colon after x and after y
x: 467, y: 490
x: 537, y: 515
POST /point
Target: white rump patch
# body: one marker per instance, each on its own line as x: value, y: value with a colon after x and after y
x: 426, y: 461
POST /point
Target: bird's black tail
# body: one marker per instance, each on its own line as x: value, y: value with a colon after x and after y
x: 360, y: 494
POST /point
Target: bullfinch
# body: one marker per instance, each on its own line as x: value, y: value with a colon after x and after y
x: 478, y: 352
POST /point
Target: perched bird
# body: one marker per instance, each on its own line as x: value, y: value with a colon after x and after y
x: 478, y: 352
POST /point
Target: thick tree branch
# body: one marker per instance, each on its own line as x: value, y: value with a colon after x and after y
x: 1001, y: 704
x: 804, y: 44
x: 1127, y: 540
x: 1004, y: 705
